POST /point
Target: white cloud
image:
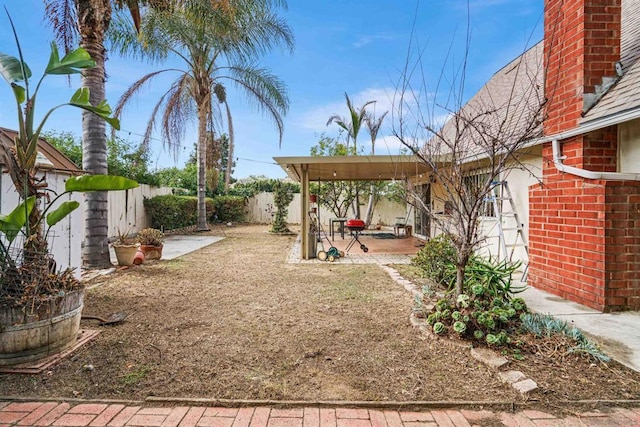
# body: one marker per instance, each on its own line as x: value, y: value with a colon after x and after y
x: 316, y: 118
x: 373, y: 38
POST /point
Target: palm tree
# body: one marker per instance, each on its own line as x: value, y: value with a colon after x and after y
x: 215, y: 46
x: 373, y: 125
x: 352, y: 126
x: 87, y: 21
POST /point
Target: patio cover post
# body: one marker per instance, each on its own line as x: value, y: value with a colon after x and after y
x: 304, y: 188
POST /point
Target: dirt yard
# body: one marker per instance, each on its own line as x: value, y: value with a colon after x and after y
x: 233, y: 320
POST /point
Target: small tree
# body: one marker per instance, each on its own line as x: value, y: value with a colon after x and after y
x: 336, y: 196
x: 478, y: 145
x: 282, y: 197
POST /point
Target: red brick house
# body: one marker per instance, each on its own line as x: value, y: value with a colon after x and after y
x: 584, y: 223
x: 578, y: 192
x: 579, y: 198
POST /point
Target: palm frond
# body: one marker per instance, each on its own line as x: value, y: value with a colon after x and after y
x: 61, y: 15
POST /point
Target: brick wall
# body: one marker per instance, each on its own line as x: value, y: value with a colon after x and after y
x: 567, y: 240
x: 584, y: 235
x: 622, y: 245
x: 581, y: 45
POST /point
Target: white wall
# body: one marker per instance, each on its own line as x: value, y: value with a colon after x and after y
x: 519, y: 179
x: 629, y: 150
x: 260, y: 209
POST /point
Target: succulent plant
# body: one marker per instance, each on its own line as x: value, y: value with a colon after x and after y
x: 150, y: 237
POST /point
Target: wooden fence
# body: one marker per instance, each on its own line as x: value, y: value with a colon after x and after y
x: 126, y: 208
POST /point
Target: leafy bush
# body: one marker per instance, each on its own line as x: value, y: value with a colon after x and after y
x: 435, y: 259
x: 486, y: 311
x: 491, y: 276
x: 257, y: 184
x: 282, y: 199
x: 229, y: 208
x: 170, y: 212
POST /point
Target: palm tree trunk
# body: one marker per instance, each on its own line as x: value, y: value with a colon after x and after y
x: 93, y: 21
x: 202, y: 169
x: 227, y: 177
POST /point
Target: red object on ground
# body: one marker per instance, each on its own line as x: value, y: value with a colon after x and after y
x: 355, y: 224
x: 139, y: 258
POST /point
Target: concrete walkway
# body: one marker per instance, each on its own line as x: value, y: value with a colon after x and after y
x: 177, y: 245
x: 51, y: 413
x: 617, y: 333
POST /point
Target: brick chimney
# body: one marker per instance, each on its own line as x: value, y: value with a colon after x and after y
x: 583, y: 232
x: 581, y: 47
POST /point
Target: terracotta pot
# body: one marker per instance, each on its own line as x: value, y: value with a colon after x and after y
x: 152, y: 252
x: 125, y: 253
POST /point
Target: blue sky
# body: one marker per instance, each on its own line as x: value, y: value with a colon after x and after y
x: 358, y: 47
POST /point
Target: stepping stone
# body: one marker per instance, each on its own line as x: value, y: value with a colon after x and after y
x: 525, y: 386
x: 511, y: 377
x: 489, y: 357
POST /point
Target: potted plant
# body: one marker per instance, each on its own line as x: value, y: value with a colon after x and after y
x: 40, y: 306
x: 151, y: 243
x: 126, y: 248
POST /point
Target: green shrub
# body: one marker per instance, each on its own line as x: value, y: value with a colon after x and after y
x: 492, y: 277
x: 282, y: 198
x: 478, y: 316
x: 229, y: 208
x: 171, y: 212
x: 435, y: 259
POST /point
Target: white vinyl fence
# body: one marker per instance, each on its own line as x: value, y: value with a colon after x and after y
x: 126, y: 208
x: 260, y: 209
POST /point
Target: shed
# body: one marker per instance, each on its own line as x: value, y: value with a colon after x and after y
x: 65, y: 238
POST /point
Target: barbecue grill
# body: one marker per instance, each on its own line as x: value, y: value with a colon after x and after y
x: 355, y: 226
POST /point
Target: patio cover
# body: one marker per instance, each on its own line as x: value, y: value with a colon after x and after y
x: 345, y: 168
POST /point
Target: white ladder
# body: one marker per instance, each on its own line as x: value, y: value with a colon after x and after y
x: 500, y: 192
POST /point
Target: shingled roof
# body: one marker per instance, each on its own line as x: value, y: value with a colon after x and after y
x: 511, y: 95
x: 48, y: 156
x: 506, y: 110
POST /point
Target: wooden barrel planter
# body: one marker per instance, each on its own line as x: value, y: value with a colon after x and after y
x: 52, y: 327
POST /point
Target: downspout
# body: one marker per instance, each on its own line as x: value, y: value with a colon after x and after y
x: 583, y: 173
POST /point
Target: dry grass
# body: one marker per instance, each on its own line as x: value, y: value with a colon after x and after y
x: 233, y: 320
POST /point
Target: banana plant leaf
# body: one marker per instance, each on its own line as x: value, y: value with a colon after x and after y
x: 61, y: 212
x: 12, y: 223
x: 87, y: 183
x: 81, y: 99
x: 72, y: 63
x: 11, y: 68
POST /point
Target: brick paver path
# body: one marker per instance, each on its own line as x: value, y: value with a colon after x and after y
x: 102, y: 414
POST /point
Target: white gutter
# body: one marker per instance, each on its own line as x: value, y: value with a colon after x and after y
x: 608, y: 176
